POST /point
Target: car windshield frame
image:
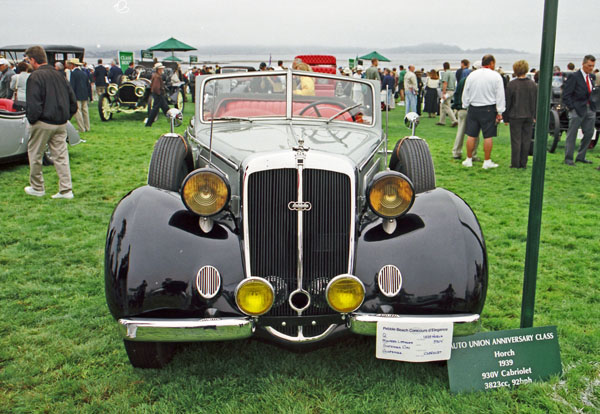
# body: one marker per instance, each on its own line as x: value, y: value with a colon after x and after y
x: 291, y: 79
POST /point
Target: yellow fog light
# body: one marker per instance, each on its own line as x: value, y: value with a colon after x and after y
x: 345, y: 293
x: 254, y: 296
x: 390, y: 194
x: 205, y: 192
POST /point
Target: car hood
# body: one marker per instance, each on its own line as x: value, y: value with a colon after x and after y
x: 237, y: 142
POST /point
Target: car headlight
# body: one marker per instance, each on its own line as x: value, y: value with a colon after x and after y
x: 345, y: 293
x: 205, y: 192
x: 112, y: 89
x: 254, y: 296
x: 139, y: 91
x: 390, y: 194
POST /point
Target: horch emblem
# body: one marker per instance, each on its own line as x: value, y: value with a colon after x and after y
x: 299, y: 205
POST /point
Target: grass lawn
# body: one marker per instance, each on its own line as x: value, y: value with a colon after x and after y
x: 60, y: 352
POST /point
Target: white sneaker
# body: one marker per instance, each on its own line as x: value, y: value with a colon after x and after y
x: 67, y: 195
x: 487, y: 164
x: 32, y: 192
x: 468, y: 162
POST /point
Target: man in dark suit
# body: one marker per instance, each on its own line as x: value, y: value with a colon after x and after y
x: 582, y: 110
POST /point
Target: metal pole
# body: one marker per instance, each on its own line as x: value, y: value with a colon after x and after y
x: 539, y: 163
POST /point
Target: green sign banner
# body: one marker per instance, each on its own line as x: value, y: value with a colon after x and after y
x: 124, y: 59
x: 147, y: 54
x: 193, y: 59
x: 490, y: 360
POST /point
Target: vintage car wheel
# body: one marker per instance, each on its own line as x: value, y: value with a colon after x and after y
x: 554, y: 130
x: 168, y: 166
x: 149, y: 354
x: 180, y: 100
x: 412, y: 158
x: 104, y: 108
x: 317, y: 103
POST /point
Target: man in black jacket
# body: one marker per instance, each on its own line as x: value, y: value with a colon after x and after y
x: 100, y: 76
x: 80, y: 82
x: 582, y: 110
x: 50, y: 104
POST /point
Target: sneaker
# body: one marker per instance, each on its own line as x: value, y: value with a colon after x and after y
x: 68, y: 195
x: 32, y: 192
x: 454, y: 124
x: 487, y: 164
x: 468, y: 162
x: 439, y: 123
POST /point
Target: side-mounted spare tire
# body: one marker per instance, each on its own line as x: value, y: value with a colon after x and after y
x: 170, y: 163
x: 412, y: 158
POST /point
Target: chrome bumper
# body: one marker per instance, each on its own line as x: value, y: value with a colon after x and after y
x: 366, y: 323
x: 226, y: 329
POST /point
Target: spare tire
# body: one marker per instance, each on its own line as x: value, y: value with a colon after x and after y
x: 412, y: 158
x: 168, y: 166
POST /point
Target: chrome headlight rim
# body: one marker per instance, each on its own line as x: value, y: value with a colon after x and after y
x: 204, y: 171
x: 112, y: 89
x: 254, y: 279
x: 385, y: 174
x: 340, y: 277
x: 139, y: 91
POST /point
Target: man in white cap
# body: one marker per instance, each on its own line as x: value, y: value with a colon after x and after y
x: 7, y: 74
x: 157, y: 88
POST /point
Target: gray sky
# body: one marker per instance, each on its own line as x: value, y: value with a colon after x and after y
x: 469, y: 24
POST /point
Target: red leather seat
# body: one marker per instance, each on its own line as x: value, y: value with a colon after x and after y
x: 248, y: 108
x: 7, y: 105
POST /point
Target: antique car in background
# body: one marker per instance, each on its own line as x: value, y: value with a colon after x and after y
x: 276, y: 217
x: 54, y: 53
x: 14, y: 130
x: 133, y: 95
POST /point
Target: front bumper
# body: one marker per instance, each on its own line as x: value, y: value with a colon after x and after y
x: 226, y: 329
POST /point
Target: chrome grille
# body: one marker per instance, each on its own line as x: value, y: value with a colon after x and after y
x: 208, y: 281
x: 272, y: 230
x: 389, y: 280
x: 127, y: 93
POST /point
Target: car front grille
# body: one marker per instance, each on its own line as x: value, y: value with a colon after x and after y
x: 127, y: 94
x: 273, y: 235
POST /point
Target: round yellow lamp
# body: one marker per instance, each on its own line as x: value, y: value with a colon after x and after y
x: 390, y: 194
x: 205, y: 192
x: 254, y: 296
x: 345, y: 293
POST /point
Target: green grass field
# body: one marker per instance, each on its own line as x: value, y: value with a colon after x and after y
x: 60, y: 351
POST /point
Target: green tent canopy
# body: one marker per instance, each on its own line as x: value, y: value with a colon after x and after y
x: 374, y: 55
x: 172, y: 59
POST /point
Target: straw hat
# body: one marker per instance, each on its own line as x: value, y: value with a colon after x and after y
x: 74, y: 61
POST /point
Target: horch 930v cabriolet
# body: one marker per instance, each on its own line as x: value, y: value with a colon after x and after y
x: 278, y: 216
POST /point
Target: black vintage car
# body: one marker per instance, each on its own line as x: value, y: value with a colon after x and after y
x: 133, y: 95
x: 277, y: 216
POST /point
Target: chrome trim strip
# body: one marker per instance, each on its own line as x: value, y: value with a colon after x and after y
x: 300, y: 338
x: 219, y: 156
x: 300, y: 156
x: 366, y: 323
x: 185, y: 330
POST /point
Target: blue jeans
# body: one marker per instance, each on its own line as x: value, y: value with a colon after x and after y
x: 411, y: 101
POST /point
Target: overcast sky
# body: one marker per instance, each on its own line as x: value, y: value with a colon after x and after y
x: 469, y: 24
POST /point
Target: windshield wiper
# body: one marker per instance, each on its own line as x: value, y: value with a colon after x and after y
x: 348, y: 108
x: 232, y: 118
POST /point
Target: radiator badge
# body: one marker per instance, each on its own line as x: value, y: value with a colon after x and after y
x: 299, y: 205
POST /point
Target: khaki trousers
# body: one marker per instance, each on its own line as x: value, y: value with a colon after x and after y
x: 82, y: 117
x: 55, y: 137
x: 446, y: 109
x: 460, y: 135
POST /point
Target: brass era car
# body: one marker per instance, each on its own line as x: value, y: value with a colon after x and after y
x: 276, y: 217
x: 133, y: 95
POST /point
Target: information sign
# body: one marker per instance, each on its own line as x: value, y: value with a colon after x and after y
x: 124, y: 59
x: 501, y: 359
x: 147, y: 54
x: 193, y: 59
x: 413, y: 341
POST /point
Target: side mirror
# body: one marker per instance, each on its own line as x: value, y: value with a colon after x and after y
x: 176, y: 118
x: 411, y: 120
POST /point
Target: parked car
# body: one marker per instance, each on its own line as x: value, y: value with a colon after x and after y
x: 133, y: 95
x: 14, y: 129
x: 276, y: 216
x: 54, y: 53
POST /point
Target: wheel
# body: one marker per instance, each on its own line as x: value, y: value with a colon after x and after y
x: 180, y: 100
x: 168, y: 166
x: 554, y: 130
x: 412, y: 158
x: 149, y: 354
x: 104, y: 108
x: 317, y: 103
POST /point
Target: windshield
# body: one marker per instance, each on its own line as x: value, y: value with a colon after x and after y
x: 265, y: 96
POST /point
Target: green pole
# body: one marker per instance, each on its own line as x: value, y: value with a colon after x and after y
x: 539, y: 163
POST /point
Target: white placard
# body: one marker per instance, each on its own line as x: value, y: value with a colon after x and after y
x: 414, y: 342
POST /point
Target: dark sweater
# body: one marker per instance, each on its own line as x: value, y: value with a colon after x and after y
x: 50, y: 98
x: 521, y: 98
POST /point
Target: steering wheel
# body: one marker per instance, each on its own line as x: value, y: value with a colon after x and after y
x: 322, y: 102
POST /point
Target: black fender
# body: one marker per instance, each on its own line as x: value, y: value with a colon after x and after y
x: 154, y: 249
x: 439, y: 248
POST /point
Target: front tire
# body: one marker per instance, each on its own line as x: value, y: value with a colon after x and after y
x: 412, y: 158
x: 104, y: 108
x: 554, y: 131
x: 149, y: 354
x: 168, y: 166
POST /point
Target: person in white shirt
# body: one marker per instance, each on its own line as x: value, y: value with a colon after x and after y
x: 483, y: 97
